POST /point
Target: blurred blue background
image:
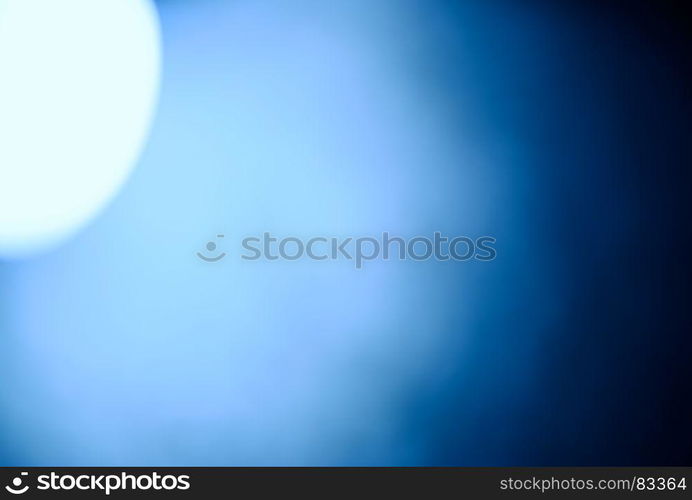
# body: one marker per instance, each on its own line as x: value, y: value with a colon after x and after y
x: 561, y: 129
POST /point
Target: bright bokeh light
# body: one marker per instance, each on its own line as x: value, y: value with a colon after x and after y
x: 78, y: 83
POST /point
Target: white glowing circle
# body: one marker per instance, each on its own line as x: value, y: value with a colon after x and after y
x: 78, y: 83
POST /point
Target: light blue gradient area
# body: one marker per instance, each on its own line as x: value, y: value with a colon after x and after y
x: 297, y: 118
